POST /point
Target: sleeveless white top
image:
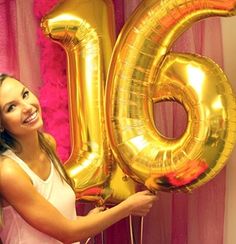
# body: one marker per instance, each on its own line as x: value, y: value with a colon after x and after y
x: 15, y: 229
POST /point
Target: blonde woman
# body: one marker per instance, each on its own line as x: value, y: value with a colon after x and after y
x: 38, y: 201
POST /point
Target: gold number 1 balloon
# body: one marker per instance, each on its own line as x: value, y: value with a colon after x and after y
x: 85, y: 30
x: 142, y: 71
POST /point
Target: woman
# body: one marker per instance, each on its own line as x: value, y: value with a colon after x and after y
x: 37, y: 197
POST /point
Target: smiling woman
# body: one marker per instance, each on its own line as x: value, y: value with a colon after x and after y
x: 20, y: 109
x: 21, y: 114
x: 38, y: 201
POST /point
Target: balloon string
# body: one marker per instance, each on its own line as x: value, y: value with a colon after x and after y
x: 88, y: 240
x: 141, y: 229
x: 102, y: 237
x: 131, y: 230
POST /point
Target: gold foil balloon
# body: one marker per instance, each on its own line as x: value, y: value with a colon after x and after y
x: 85, y: 29
x: 144, y: 71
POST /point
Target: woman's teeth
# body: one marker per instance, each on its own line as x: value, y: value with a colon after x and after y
x: 31, y: 118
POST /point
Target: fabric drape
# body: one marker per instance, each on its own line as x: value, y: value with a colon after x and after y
x: 176, y: 218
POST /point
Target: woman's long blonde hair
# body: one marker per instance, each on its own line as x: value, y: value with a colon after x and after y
x: 7, y: 142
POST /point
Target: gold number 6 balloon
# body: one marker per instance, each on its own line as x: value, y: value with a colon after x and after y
x: 142, y: 71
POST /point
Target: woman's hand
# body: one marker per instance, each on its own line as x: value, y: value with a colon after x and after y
x: 140, y: 203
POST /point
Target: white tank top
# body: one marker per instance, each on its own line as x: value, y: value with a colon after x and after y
x: 15, y: 229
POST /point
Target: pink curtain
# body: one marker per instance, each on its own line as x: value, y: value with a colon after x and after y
x: 176, y: 218
x: 19, y: 54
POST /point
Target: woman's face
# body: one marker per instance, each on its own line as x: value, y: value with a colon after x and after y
x: 20, y: 109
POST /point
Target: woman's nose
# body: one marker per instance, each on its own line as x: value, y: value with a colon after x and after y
x: 27, y: 108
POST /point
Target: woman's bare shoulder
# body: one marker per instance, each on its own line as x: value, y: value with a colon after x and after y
x: 6, y: 162
x: 10, y: 170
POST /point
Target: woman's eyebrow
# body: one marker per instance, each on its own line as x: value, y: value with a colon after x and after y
x: 23, y: 90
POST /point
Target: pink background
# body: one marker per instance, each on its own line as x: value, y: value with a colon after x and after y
x: 196, y: 218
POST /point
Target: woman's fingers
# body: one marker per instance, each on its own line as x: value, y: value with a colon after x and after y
x: 142, y: 202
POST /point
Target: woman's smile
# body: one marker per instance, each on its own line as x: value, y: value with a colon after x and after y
x: 31, y: 118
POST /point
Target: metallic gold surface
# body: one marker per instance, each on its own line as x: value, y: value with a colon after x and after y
x: 143, y: 71
x: 85, y: 29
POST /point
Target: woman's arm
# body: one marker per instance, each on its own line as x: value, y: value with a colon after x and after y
x: 17, y: 189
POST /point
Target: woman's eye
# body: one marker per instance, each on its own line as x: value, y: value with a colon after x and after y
x: 10, y: 108
x: 25, y: 94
